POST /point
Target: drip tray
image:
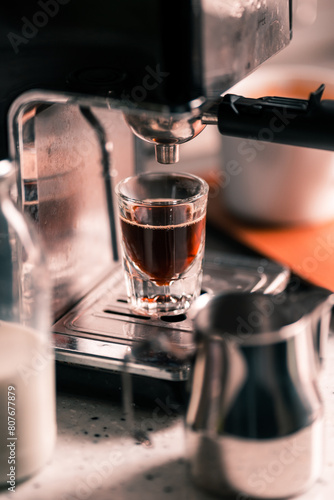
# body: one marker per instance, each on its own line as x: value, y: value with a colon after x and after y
x: 101, y: 329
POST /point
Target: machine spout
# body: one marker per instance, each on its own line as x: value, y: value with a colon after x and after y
x: 167, y: 153
x: 165, y: 131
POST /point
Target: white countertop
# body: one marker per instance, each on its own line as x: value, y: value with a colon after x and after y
x: 95, y: 458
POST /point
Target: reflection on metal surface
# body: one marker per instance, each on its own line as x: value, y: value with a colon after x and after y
x: 255, y: 393
x: 61, y: 186
x: 105, y: 327
x: 166, y: 132
x: 249, y: 33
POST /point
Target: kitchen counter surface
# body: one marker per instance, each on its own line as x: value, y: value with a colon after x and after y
x: 96, y: 458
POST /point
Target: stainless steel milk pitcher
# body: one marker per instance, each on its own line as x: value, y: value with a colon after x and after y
x: 254, y: 425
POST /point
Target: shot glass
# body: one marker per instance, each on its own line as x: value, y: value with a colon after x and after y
x: 162, y: 218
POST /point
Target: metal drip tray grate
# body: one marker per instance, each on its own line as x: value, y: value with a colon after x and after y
x: 101, y: 329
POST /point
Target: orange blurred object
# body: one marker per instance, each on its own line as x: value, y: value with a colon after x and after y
x: 307, y: 250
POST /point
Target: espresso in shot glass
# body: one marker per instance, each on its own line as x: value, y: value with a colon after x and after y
x: 162, y: 218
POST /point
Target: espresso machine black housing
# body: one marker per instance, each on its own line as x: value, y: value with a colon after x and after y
x: 100, y: 48
x: 151, y: 54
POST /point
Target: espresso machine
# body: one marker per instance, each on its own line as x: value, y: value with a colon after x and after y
x: 81, y: 82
